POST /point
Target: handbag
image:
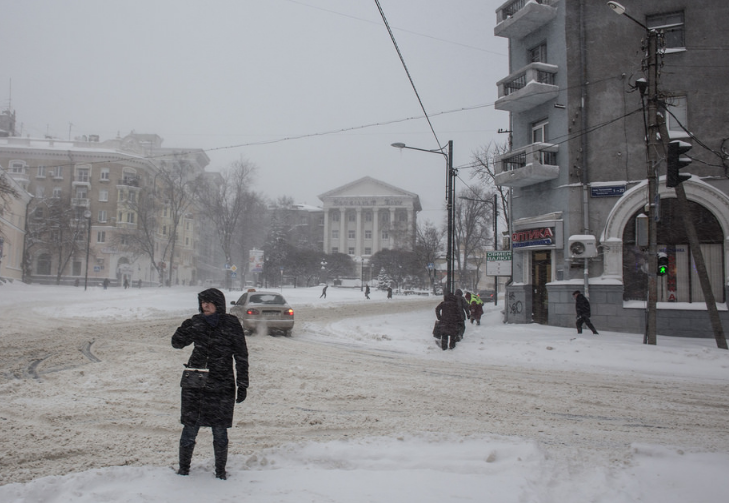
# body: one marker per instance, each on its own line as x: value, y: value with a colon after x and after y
x: 436, y: 329
x: 194, y: 378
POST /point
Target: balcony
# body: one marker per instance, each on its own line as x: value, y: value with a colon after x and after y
x: 82, y: 181
x: 129, y: 181
x: 528, y: 165
x: 527, y: 88
x: 518, y: 18
x: 80, y: 201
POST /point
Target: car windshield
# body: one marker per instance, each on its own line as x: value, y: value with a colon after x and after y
x: 266, y: 298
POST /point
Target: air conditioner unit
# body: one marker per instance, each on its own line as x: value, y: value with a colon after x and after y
x: 582, y: 246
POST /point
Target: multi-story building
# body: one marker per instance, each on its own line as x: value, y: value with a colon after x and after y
x: 116, y: 202
x: 368, y: 215
x: 13, y: 211
x: 577, y: 165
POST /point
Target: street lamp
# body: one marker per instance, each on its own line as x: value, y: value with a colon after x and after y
x: 87, y: 215
x: 450, y: 207
x: 652, y: 161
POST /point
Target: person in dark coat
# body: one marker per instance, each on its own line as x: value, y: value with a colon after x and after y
x: 389, y: 292
x: 450, y: 317
x: 463, y: 303
x: 324, y: 292
x: 367, y: 292
x: 218, y: 342
x: 582, y: 306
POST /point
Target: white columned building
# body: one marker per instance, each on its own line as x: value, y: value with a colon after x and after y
x: 368, y: 215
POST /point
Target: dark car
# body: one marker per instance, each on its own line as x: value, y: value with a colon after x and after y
x: 487, y: 295
x: 263, y: 312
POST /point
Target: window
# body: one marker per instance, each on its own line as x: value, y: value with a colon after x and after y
x: 40, y: 191
x: 120, y: 219
x: 103, y: 196
x: 102, y: 216
x: 132, y: 196
x: 335, y: 233
x: 38, y: 213
x: 83, y: 174
x: 43, y: 266
x: 385, y: 236
x: 124, y: 239
x: 368, y: 234
x: 538, y: 54
x: 58, y: 173
x: 335, y: 249
x: 81, y: 192
x: 539, y: 131
x: 17, y: 167
x: 352, y: 217
x: 41, y: 173
x: 164, y: 227
x: 104, y: 175
x: 672, y: 25
x: 351, y: 234
x: 187, y: 241
x: 101, y: 237
x: 402, y: 217
x: 368, y: 216
x: 57, y: 192
x: 130, y: 217
x: 350, y: 250
x: 368, y: 251
x: 676, y: 115
x: 335, y: 217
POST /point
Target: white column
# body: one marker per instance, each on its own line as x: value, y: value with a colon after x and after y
x: 342, y: 230
x: 358, y: 233
x: 375, y: 230
x: 327, y: 233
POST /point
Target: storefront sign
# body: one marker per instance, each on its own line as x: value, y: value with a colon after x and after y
x: 542, y: 236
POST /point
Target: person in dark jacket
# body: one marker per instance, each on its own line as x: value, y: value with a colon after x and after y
x: 367, y: 292
x: 582, y: 306
x: 218, y: 342
x: 450, y: 317
x: 463, y: 303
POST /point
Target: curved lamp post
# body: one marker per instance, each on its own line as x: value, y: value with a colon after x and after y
x: 450, y: 208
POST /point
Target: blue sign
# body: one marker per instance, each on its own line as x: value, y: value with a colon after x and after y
x: 607, y: 191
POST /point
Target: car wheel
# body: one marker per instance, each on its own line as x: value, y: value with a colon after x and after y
x: 287, y: 333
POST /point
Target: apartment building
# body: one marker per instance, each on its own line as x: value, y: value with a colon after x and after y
x: 577, y: 167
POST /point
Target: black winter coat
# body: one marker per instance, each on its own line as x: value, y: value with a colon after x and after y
x: 450, y: 314
x: 215, y: 347
x: 582, y: 306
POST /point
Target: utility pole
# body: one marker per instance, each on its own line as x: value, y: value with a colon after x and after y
x: 653, y: 215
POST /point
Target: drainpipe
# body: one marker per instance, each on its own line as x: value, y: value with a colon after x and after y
x: 583, y: 172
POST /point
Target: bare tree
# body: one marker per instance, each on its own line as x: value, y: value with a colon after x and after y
x: 142, y: 240
x: 485, y: 172
x: 428, y: 247
x: 473, y: 218
x: 225, y: 201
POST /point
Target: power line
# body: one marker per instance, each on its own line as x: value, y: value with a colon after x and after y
x: 402, y: 60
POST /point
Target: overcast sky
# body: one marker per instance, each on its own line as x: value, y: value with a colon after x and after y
x: 239, y: 78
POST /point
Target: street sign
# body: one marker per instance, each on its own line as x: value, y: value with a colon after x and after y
x: 233, y: 268
x: 498, y: 263
x: 233, y: 274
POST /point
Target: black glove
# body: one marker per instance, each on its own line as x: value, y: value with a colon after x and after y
x: 242, y: 393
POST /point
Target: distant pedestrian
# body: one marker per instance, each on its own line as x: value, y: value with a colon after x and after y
x: 367, y: 292
x: 389, y: 292
x: 126, y: 283
x: 106, y: 283
x: 582, y: 306
x: 324, y: 292
x: 450, y: 317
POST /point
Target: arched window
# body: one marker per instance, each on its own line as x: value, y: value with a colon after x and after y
x: 43, y: 264
x: 681, y: 284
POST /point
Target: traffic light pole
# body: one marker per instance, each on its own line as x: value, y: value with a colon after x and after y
x: 650, y: 326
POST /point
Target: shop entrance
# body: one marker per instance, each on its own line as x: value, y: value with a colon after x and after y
x: 541, y: 275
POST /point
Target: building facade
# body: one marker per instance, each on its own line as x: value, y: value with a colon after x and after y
x: 105, y: 209
x: 13, y: 212
x: 367, y: 216
x: 577, y: 169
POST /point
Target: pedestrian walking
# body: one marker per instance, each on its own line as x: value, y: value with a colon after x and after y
x: 475, y: 307
x: 389, y: 292
x: 463, y: 304
x: 106, y: 283
x: 450, y: 316
x: 367, y: 292
x: 126, y: 283
x: 218, y: 343
x: 582, y: 306
x: 324, y: 292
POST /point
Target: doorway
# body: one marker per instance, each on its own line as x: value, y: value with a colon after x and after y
x: 541, y: 275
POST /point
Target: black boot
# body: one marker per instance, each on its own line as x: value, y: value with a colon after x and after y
x: 221, y: 459
x: 185, y: 458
